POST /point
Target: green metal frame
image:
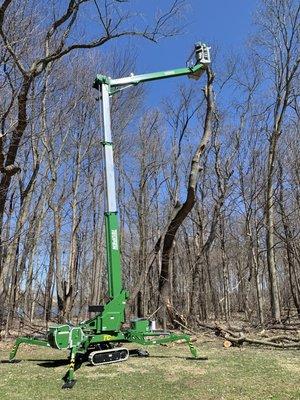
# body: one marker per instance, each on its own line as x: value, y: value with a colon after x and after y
x: 107, y: 326
x: 113, y: 254
x: 115, y: 85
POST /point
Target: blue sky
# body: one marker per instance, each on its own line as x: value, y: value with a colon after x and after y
x: 223, y: 24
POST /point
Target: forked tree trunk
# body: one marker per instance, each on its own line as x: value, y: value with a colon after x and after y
x: 181, y: 211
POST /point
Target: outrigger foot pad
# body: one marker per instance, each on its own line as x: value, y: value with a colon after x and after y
x: 69, y: 384
x: 139, y: 353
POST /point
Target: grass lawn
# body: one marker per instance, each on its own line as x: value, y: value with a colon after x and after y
x: 228, y: 374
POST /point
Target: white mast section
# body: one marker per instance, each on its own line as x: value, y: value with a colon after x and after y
x: 108, y: 152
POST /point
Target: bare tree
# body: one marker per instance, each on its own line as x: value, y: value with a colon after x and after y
x: 180, y: 211
x: 52, y: 44
x: 279, y: 41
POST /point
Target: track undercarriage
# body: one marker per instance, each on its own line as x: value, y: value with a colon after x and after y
x: 109, y: 356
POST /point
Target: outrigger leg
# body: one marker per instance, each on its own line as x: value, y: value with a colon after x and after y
x: 143, y: 339
x: 26, y: 340
x: 70, y: 375
x: 193, y: 349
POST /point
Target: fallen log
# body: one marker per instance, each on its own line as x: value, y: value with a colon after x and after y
x: 280, y: 338
x: 283, y: 327
x: 238, y: 339
x: 227, y: 344
x: 241, y: 340
x: 192, y: 339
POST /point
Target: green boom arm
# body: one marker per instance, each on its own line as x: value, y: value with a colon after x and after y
x: 117, y: 84
x: 195, y: 71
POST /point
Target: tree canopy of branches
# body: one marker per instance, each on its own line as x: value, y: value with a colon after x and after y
x: 208, y: 187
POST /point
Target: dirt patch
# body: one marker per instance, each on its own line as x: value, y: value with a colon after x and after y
x: 6, y: 346
x: 177, y: 370
x: 97, y: 375
x: 125, y: 368
x: 291, y: 366
x: 118, y: 369
x: 133, y: 366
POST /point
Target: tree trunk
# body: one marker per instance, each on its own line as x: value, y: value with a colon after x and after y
x: 273, y: 284
x: 181, y: 211
x: 48, y: 300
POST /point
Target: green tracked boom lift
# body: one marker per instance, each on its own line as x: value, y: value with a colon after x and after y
x: 100, y: 339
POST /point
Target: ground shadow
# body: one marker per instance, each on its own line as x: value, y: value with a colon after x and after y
x: 59, y: 363
x: 51, y: 363
x: 182, y: 357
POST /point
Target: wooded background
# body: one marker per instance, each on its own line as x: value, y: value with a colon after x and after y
x: 208, y: 180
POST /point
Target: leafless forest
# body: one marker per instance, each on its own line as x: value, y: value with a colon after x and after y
x: 208, y: 180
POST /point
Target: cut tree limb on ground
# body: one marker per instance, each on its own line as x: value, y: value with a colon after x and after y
x: 193, y: 339
x: 293, y: 327
x: 238, y: 338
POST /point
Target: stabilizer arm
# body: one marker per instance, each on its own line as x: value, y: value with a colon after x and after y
x: 144, y: 339
x: 27, y: 340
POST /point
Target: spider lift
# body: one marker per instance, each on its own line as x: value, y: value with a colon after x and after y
x: 99, y: 339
